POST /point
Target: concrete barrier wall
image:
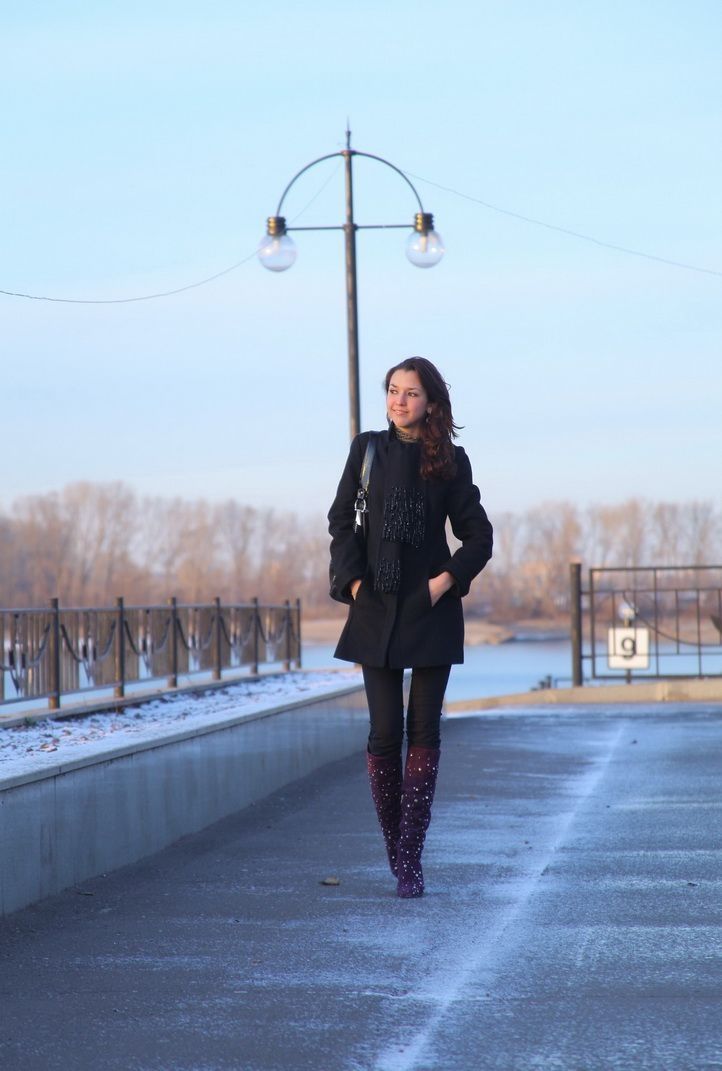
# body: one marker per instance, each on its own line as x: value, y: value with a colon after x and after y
x: 61, y: 826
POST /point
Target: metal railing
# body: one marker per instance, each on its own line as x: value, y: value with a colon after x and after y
x: 646, y: 622
x: 54, y: 652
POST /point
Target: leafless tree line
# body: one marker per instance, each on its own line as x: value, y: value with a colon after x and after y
x: 90, y: 542
x: 529, y: 576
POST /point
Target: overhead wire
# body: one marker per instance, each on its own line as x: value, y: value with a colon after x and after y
x: 565, y: 230
x: 581, y: 236
x: 161, y: 293
x: 126, y: 300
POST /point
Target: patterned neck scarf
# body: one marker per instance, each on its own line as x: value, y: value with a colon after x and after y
x: 404, y: 513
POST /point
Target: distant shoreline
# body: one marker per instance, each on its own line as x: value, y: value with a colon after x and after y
x: 325, y: 630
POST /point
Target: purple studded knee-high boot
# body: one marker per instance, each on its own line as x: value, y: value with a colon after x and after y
x: 422, y: 766
x: 385, y: 781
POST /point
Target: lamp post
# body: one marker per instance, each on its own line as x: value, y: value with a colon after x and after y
x: 424, y: 248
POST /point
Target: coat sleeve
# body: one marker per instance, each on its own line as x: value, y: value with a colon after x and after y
x: 470, y: 525
x: 348, y: 548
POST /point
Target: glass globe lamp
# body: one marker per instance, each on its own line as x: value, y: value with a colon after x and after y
x: 276, y: 251
x: 424, y: 246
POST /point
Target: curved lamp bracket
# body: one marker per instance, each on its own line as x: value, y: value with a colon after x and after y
x: 346, y: 153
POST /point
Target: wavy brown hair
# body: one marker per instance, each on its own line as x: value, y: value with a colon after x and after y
x: 438, y: 429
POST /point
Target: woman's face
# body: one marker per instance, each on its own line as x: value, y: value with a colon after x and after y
x: 406, y: 401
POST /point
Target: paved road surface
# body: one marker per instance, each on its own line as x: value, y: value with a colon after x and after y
x: 573, y: 921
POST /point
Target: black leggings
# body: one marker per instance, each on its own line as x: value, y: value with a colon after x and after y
x: 385, y: 695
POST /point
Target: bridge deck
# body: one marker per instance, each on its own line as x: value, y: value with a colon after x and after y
x: 573, y: 920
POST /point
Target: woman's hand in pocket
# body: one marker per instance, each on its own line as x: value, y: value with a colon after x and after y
x: 439, y: 585
x: 353, y: 588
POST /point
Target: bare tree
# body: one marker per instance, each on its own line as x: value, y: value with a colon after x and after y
x: 101, y: 519
x: 91, y: 542
x: 48, y: 558
x: 702, y: 537
x: 236, y: 529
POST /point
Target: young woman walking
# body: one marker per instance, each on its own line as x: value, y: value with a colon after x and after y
x: 404, y: 589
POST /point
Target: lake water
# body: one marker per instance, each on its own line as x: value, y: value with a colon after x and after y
x: 488, y: 670
x: 506, y: 669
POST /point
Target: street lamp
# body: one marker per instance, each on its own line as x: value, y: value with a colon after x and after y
x: 424, y: 248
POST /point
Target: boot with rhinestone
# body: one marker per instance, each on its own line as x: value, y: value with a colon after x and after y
x: 385, y: 781
x: 417, y: 795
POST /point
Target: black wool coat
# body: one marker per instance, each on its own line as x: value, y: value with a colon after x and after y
x: 401, y: 629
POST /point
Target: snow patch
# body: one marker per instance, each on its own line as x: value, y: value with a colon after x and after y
x: 52, y: 742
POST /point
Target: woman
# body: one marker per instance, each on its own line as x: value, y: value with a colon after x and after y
x: 404, y: 588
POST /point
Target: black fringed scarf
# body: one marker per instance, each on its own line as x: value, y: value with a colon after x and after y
x: 404, y: 513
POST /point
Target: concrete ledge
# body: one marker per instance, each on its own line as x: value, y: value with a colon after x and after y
x: 81, y: 704
x: 682, y: 690
x: 64, y: 824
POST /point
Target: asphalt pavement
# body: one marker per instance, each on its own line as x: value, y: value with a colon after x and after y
x: 572, y: 921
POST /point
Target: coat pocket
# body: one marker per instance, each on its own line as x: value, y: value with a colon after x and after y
x: 420, y: 600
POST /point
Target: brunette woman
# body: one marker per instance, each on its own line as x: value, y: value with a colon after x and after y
x: 404, y: 589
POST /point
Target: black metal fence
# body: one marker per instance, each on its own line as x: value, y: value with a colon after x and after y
x: 53, y: 652
x: 648, y: 622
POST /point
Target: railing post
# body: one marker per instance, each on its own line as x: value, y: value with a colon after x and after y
x: 298, y: 631
x: 287, y: 659
x: 54, y: 696
x: 219, y: 660
x: 256, y: 626
x: 119, y: 691
x: 173, y: 676
x: 575, y: 579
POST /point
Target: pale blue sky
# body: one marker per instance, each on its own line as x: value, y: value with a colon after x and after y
x: 145, y: 143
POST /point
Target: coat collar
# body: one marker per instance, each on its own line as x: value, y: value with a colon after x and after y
x: 390, y: 435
